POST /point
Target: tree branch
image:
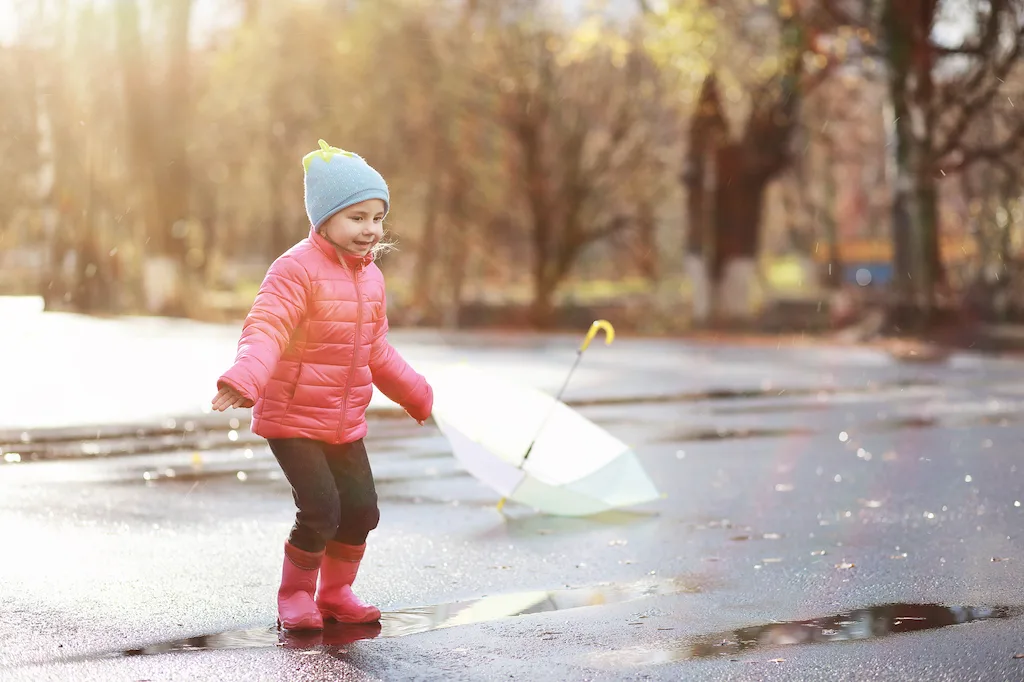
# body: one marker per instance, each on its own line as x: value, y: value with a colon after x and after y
x: 839, y: 15
x: 963, y: 90
x: 614, y: 225
x: 994, y: 153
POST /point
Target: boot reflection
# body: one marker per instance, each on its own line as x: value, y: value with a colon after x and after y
x: 340, y: 634
x: 300, y: 639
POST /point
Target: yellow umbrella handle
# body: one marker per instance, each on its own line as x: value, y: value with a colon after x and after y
x: 599, y: 325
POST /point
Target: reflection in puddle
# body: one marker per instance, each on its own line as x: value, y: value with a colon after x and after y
x: 333, y: 634
x: 416, y: 620
x: 860, y: 624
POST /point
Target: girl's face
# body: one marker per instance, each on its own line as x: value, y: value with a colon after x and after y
x: 356, y: 229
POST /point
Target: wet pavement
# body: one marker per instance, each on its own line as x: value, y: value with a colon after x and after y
x: 830, y: 514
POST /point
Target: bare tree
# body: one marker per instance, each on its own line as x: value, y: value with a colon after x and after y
x: 939, y: 91
x: 580, y: 126
x: 727, y: 176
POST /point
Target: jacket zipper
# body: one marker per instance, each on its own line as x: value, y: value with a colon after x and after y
x: 355, y: 350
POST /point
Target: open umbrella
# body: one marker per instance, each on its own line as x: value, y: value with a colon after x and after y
x: 532, y: 448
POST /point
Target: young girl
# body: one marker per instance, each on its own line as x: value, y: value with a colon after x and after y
x: 312, y: 346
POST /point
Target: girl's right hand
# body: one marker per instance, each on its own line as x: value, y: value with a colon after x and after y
x: 228, y: 397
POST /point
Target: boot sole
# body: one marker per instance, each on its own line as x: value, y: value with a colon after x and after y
x: 352, y: 620
x: 304, y: 624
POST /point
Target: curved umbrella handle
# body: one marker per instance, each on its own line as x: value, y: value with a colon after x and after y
x: 598, y: 325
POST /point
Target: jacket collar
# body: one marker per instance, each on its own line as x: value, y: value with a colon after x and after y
x: 354, y: 262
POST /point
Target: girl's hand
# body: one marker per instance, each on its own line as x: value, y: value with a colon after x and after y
x: 228, y: 397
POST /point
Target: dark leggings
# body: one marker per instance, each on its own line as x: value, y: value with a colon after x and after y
x: 333, y: 490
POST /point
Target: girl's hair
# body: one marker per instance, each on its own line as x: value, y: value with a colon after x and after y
x: 384, y: 246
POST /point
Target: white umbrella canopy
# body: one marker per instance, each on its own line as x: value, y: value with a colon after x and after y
x: 575, y: 467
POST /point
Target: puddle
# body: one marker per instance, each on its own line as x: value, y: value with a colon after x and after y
x: 907, y: 423
x: 201, y: 433
x: 696, y: 435
x: 773, y: 408
x: 857, y: 625
x: 948, y: 421
x: 421, y: 619
x: 740, y: 394
x: 199, y: 441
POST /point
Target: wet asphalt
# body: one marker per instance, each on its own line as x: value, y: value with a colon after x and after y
x: 829, y: 514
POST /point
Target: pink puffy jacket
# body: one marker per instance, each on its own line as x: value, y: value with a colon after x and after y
x: 313, y: 345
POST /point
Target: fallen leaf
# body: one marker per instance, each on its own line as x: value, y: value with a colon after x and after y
x: 1018, y: 655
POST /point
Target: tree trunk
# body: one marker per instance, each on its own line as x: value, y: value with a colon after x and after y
x: 542, y: 306
x: 424, y: 302
x: 739, y: 200
x: 646, y: 247
x: 833, y: 272
x: 708, y: 130
x: 540, y: 216
x: 156, y: 137
x: 915, y: 204
x: 457, y: 244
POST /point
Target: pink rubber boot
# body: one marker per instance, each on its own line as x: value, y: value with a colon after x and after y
x: 296, y: 609
x: 335, y: 598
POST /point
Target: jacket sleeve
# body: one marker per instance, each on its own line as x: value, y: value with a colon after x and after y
x: 395, y: 377
x: 279, y: 306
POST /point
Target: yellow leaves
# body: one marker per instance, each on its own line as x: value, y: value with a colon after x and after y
x: 680, y: 35
x: 590, y: 36
x: 767, y: 67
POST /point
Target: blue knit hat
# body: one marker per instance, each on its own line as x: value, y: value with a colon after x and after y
x: 336, y: 179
